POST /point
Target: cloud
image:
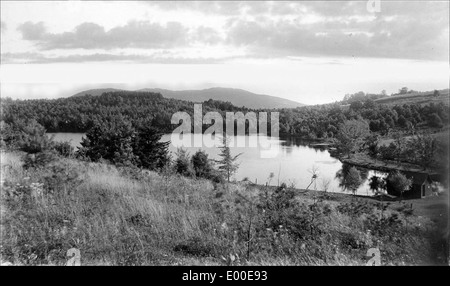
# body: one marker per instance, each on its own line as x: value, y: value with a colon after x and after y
x: 39, y: 58
x: 138, y: 34
x: 207, y: 35
x: 32, y: 31
x: 407, y: 30
x: 225, y: 8
x: 411, y: 35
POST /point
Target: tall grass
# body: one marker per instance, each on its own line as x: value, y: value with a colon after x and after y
x: 120, y: 216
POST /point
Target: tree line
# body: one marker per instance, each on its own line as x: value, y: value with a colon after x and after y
x: 78, y: 114
x: 116, y: 141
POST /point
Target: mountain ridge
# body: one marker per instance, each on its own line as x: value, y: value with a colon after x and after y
x: 237, y: 97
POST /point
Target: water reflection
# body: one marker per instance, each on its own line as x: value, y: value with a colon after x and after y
x: 346, y: 179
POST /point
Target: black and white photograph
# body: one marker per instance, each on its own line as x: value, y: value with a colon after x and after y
x: 224, y: 133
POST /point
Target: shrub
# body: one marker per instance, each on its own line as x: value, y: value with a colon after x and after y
x: 61, y: 176
x: 64, y: 149
x: 384, y: 226
x: 37, y: 160
x: 183, y: 163
x: 355, y: 208
x: 116, y: 140
x: 28, y: 136
x: 202, y: 166
x: 435, y: 121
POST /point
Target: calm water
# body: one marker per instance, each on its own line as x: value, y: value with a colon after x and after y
x: 291, y: 161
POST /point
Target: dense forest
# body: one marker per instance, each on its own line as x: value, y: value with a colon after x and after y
x: 78, y: 114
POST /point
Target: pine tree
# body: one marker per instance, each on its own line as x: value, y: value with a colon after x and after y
x: 112, y: 140
x: 228, y: 163
x: 149, y: 151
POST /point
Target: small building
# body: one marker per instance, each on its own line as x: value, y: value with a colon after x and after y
x: 420, y: 188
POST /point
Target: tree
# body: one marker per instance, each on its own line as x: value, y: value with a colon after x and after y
x: 201, y: 164
x: 150, y: 152
x: 351, y: 136
x: 435, y: 121
x: 402, y: 121
x: 111, y: 139
x: 32, y: 138
x: 349, y: 178
x: 353, y: 180
x: 400, y: 145
x: 376, y: 184
x: 436, y: 93
x: 423, y: 148
x: 183, y: 163
x: 371, y: 144
x: 64, y: 149
x: 403, y: 90
x: 228, y: 163
x: 356, y: 105
x: 398, y: 183
x: 369, y: 104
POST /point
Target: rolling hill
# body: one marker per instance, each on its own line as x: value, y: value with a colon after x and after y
x: 416, y: 97
x: 237, y: 97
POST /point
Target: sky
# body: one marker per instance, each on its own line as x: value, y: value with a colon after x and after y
x: 312, y: 52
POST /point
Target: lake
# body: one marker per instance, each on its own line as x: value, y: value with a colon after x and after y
x: 291, y: 161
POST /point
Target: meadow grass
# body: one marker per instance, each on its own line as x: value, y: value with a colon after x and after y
x: 124, y: 216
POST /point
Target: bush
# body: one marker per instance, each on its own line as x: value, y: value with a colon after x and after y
x: 385, y: 226
x: 216, y: 177
x: 64, y: 149
x: 435, y: 121
x: 354, y: 208
x: 37, y: 160
x: 201, y: 164
x: 183, y: 163
x: 388, y: 152
x: 116, y: 140
x: 61, y: 176
x: 28, y: 136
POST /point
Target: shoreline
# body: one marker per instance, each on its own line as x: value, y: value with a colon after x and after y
x: 386, y: 166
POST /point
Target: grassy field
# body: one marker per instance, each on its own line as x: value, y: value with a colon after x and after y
x: 120, y: 216
x: 416, y: 98
x: 441, y: 134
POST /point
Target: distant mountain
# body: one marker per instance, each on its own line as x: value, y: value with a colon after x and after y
x: 237, y: 97
x: 96, y: 92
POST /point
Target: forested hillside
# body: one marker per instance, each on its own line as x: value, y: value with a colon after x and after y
x: 77, y: 114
